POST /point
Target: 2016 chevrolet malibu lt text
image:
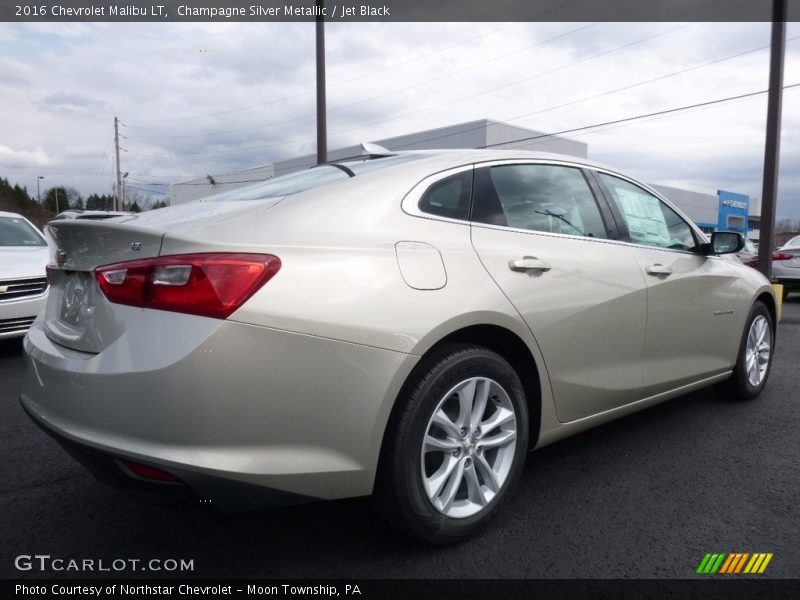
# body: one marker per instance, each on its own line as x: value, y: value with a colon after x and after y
x: 404, y: 325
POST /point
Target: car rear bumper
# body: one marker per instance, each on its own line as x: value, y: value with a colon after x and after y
x: 787, y: 276
x: 788, y: 282
x: 226, y: 407
x: 188, y: 489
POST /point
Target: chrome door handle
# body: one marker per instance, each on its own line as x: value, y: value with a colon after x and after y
x: 528, y: 263
x: 658, y: 269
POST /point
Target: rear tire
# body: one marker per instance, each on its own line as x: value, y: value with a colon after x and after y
x: 454, y: 447
x: 754, y: 360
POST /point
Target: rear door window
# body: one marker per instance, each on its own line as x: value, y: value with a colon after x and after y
x: 551, y: 198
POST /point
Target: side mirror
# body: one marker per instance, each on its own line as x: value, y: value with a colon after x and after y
x: 726, y: 242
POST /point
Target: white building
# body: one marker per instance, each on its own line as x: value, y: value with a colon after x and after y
x: 473, y: 134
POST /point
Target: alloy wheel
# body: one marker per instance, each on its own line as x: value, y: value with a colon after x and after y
x: 469, y: 447
x: 757, y: 351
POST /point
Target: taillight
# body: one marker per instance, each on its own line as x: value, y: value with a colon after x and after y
x: 211, y: 285
x: 147, y: 472
x: 782, y: 256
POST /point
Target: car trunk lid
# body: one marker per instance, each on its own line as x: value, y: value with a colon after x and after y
x: 78, y: 314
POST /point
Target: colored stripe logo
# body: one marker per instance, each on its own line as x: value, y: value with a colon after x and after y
x: 734, y: 562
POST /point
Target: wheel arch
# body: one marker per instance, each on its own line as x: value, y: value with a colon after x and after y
x: 768, y: 300
x: 513, y: 349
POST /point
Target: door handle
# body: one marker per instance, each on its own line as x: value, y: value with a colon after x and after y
x: 658, y: 269
x: 528, y: 263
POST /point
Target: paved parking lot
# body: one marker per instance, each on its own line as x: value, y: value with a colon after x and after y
x: 646, y: 496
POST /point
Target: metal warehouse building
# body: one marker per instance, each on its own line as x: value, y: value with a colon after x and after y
x: 724, y: 211
x: 473, y: 134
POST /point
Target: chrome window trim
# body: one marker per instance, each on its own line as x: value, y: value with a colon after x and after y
x: 410, y: 202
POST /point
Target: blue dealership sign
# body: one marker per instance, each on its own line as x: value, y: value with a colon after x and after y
x: 733, y: 211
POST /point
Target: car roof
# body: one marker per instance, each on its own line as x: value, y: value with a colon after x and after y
x: 491, y: 154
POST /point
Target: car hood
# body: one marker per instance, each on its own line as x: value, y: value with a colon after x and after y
x: 20, y: 261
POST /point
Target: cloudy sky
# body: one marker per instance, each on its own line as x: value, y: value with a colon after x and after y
x: 212, y: 98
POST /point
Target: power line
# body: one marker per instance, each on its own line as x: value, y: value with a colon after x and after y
x: 652, y: 114
x: 231, y: 182
x: 128, y: 185
x: 607, y: 93
x: 562, y: 105
x: 446, y: 75
x: 535, y: 138
x: 338, y: 83
x: 393, y: 92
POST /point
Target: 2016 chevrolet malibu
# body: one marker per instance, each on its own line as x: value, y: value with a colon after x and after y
x: 404, y: 325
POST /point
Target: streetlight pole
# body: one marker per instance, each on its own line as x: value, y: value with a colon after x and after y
x: 38, y: 192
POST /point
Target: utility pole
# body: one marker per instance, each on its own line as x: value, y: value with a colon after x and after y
x: 38, y: 193
x: 769, y: 194
x: 118, y: 191
x: 322, y: 126
x: 123, y: 189
x: 56, y: 191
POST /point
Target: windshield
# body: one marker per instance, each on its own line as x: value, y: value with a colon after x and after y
x: 17, y: 232
x: 294, y: 183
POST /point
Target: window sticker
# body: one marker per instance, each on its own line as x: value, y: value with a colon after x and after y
x: 644, y: 217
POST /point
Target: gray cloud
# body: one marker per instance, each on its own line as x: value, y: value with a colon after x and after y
x: 74, y: 102
x: 256, y: 81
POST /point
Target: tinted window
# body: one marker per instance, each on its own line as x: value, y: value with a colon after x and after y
x: 649, y: 220
x: 537, y: 197
x: 449, y: 197
x: 17, y: 232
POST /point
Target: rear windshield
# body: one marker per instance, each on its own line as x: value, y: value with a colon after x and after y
x: 294, y: 183
x: 17, y: 232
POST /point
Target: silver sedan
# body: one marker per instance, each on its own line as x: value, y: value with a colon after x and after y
x: 786, y: 265
x: 405, y: 325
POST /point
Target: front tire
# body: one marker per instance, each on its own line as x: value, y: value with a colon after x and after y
x: 754, y: 360
x: 455, y: 445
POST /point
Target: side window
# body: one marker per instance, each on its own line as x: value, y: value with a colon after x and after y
x: 449, y: 197
x: 548, y: 198
x: 649, y: 220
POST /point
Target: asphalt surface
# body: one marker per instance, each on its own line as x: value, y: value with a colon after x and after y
x: 644, y: 497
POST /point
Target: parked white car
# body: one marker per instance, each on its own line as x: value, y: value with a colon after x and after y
x: 23, y: 279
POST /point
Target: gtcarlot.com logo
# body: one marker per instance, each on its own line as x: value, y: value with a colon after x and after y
x: 45, y: 562
x: 732, y: 563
